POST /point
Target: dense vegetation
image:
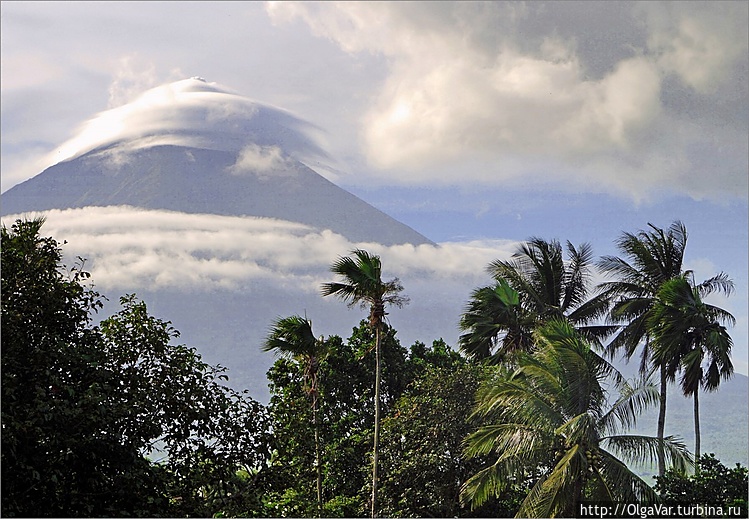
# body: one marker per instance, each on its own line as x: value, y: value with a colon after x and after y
x: 529, y: 417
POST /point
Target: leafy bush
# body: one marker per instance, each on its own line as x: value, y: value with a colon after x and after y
x: 712, y: 484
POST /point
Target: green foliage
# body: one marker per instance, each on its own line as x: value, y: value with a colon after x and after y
x: 117, y: 420
x: 169, y: 403
x: 293, y: 337
x: 84, y: 407
x: 495, y: 323
x: 652, y: 258
x: 536, y: 285
x: 426, y: 394
x: 361, y: 283
x: 551, y: 418
x: 712, y: 484
x: 422, y: 441
x: 346, y: 424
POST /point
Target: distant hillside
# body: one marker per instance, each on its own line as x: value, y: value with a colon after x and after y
x: 724, y: 420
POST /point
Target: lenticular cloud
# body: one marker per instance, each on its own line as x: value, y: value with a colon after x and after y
x: 195, y: 113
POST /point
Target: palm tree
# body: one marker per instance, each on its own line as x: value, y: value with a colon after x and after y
x: 688, y: 336
x: 362, y: 284
x: 534, y: 286
x: 654, y: 256
x: 292, y: 337
x: 550, y: 418
x: 496, y: 324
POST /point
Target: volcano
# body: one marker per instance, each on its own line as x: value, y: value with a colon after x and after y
x: 195, y: 147
x: 203, y: 203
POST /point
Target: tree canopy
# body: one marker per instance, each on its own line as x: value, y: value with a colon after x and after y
x: 113, y: 416
x: 113, y: 419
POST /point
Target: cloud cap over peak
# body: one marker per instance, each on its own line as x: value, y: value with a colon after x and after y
x: 196, y: 113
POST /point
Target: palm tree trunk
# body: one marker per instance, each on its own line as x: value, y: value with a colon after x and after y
x: 577, y: 494
x: 317, y: 456
x: 375, y: 453
x: 662, y: 424
x: 696, y: 429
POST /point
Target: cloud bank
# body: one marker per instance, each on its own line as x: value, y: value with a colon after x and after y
x: 271, y: 267
x: 153, y: 249
x: 222, y: 280
x: 592, y: 93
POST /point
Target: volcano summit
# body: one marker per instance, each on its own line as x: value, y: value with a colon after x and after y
x: 196, y: 147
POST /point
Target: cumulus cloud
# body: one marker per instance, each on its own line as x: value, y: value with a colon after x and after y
x: 543, y: 92
x: 258, y: 159
x: 702, y: 43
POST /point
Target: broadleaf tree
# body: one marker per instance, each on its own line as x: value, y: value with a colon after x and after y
x: 115, y: 419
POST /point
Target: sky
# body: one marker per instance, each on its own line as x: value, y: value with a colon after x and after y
x: 477, y: 124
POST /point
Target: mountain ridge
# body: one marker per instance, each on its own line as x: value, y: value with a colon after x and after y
x: 195, y: 180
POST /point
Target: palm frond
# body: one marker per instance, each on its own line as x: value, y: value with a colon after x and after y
x: 629, y: 280
x: 632, y: 401
x: 553, y: 495
x: 577, y: 275
x: 719, y: 283
x: 493, y: 318
x: 621, y: 483
x: 291, y: 336
x: 513, y: 400
x: 644, y: 449
x: 489, y: 481
x: 362, y: 283
x: 509, y: 440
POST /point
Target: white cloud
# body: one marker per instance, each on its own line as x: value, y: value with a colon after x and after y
x: 604, y: 96
x: 260, y: 160
x: 251, y: 260
x: 193, y: 112
x: 274, y: 267
x: 700, y: 42
x: 495, y: 92
x: 132, y: 248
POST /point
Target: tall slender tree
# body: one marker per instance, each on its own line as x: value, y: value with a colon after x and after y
x: 292, y: 337
x: 361, y: 284
x: 690, y: 337
x: 652, y: 258
x: 535, y: 285
x: 551, y: 417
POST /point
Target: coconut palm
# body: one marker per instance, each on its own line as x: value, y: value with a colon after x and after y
x: 292, y: 337
x: 496, y: 324
x: 689, y: 337
x: 534, y: 286
x: 653, y: 257
x: 362, y: 284
x: 550, y: 418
